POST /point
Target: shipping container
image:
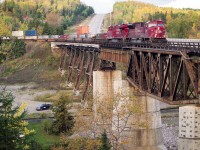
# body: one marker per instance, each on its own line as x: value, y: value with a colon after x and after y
x: 20, y: 37
x: 31, y: 37
x: 53, y: 36
x: 30, y: 33
x: 82, y: 30
x: 43, y: 37
x: 18, y: 33
x: 63, y: 36
x: 72, y: 36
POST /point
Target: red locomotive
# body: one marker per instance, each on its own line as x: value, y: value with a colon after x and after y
x: 152, y: 31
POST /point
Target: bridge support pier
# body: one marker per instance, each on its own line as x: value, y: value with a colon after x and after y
x: 103, y: 94
x: 189, y: 127
x: 143, y: 129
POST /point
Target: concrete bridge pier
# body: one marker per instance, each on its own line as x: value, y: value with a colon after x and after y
x: 140, y: 131
x: 189, y: 128
x: 103, y: 93
x: 140, y: 128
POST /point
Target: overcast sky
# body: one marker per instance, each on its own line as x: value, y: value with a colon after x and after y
x: 105, y: 6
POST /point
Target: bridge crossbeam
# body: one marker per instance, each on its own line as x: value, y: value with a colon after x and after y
x: 169, y: 76
x: 82, y: 60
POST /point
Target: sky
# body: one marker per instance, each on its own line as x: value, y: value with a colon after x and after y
x: 106, y: 6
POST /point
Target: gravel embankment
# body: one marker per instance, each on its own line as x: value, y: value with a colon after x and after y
x: 170, y: 129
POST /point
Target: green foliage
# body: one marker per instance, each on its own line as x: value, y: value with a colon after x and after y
x: 34, y: 145
x: 41, y: 138
x: 180, y: 23
x: 64, y: 120
x: 29, y: 14
x: 12, y: 50
x: 13, y: 131
x: 18, y: 48
x: 105, y: 142
x: 47, y: 125
x: 77, y: 144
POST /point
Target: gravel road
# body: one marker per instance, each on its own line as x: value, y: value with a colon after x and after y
x: 26, y: 93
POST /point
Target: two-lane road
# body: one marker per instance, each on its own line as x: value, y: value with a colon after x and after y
x: 95, y: 24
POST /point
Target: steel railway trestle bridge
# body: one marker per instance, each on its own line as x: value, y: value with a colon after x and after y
x: 169, y: 74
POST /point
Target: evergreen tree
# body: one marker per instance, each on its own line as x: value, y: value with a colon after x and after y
x: 13, y: 132
x: 46, y: 29
x: 64, y: 120
x: 18, y: 48
x: 105, y: 142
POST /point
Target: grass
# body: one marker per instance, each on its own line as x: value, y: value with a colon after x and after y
x: 41, y: 136
x: 38, y: 115
x: 54, y: 97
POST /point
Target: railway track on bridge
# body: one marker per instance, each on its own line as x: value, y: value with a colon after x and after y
x: 189, y: 46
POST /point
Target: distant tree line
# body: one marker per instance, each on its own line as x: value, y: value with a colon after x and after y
x: 47, y: 17
x: 180, y: 23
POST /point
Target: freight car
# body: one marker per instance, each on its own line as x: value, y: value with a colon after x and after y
x: 152, y: 33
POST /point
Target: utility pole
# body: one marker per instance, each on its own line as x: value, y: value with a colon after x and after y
x: 110, y: 18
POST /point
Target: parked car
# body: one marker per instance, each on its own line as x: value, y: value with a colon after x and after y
x: 43, y: 107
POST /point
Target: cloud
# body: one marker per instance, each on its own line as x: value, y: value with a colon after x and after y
x: 101, y: 6
x: 106, y: 6
x: 184, y: 4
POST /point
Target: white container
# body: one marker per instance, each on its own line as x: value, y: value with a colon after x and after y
x: 43, y: 37
x: 53, y: 36
x: 31, y: 37
x: 17, y: 33
x: 72, y: 36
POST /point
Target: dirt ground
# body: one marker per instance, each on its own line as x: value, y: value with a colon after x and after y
x: 26, y: 93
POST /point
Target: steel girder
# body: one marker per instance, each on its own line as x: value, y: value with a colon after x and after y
x: 171, y: 77
x: 82, y: 61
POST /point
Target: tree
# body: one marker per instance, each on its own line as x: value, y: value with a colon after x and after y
x: 12, y: 50
x: 105, y: 142
x: 46, y: 29
x: 18, y: 48
x: 64, y: 120
x: 47, y: 125
x: 13, y: 132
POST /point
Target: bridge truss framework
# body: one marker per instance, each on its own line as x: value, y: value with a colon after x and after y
x: 167, y: 75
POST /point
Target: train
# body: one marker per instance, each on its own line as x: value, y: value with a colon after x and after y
x: 137, y: 32
x: 142, y: 32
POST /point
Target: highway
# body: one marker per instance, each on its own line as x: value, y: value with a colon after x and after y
x: 96, y: 24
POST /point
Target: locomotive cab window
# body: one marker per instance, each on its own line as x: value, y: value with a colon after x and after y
x: 131, y: 26
x: 152, y: 25
x: 160, y: 25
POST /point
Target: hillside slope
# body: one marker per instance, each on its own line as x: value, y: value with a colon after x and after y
x: 46, y: 16
x: 180, y: 23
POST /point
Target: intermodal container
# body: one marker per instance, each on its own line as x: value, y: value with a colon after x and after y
x: 30, y: 33
x: 72, y: 36
x: 43, y: 37
x: 82, y: 30
x: 18, y: 33
x: 63, y: 36
x: 53, y: 36
x: 31, y: 37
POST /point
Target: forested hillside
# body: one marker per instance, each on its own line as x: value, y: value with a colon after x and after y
x: 45, y: 16
x: 180, y: 23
